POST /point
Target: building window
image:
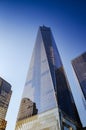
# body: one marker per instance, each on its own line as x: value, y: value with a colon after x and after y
x: 67, y: 127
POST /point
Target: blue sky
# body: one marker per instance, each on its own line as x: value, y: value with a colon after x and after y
x: 19, y: 22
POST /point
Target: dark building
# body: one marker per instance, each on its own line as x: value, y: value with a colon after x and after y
x: 47, y: 86
x: 79, y: 65
x: 5, y: 95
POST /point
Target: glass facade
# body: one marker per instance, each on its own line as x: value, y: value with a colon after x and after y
x: 5, y: 94
x: 39, y: 80
x: 79, y: 65
x: 47, y: 87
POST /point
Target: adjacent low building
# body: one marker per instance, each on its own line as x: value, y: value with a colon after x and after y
x: 79, y: 68
x: 5, y: 95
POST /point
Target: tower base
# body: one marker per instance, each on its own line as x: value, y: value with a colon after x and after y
x: 45, y: 121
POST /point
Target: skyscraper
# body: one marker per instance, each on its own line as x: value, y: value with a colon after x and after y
x: 5, y: 94
x: 47, y: 102
x: 79, y: 65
